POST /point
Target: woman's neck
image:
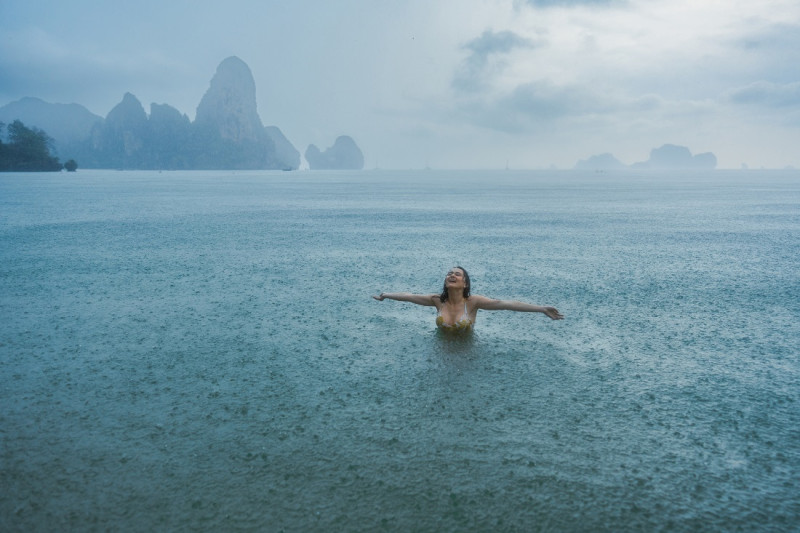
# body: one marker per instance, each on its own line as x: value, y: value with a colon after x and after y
x: 455, y: 296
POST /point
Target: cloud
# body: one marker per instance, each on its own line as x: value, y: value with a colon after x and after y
x: 767, y: 94
x: 544, y: 101
x: 41, y: 63
x: 766, y: 49
x: 485, y: 58
x: 543, y: 107
x: 534, y: 106
x: 538, y: 80
x: 573, y: 3
x: 773, y: 36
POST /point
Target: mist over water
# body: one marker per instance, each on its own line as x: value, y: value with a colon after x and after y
x: 200, y: 350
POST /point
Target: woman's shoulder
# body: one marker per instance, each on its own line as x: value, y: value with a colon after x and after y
x: 477, y: 300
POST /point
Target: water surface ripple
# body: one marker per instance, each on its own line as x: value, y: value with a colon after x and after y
x: 199, y: 351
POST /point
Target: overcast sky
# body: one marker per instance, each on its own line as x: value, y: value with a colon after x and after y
x: 441, y: 83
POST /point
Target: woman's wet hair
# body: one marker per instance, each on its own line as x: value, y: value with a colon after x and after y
x: 443, y: 296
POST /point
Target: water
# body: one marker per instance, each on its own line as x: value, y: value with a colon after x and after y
x: 200, y: 351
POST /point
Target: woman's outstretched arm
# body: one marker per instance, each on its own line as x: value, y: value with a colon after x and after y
x: 419, y: 299
x: 491, y: 304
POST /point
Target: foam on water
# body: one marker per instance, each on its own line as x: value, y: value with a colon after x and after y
x: 200, y: 351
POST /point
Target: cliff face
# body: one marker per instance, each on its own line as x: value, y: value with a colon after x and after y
x: 600, y: 162
x: 169, y: 136
x: 228, y: 107
x: 120, y: 140
x: 343, y: 155
x: 670, y: 156
x: 286, y: 157
x: 226, y: 134
x: 666, y: 157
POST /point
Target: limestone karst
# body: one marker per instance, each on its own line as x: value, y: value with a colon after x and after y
x: 227, y: 132
x: 343, y: 155
x: 668, y: 156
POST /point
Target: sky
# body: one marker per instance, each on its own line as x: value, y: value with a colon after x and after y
x: 445, y: 83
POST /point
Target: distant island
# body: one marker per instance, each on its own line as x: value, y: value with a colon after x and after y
x: 668, y: 156
x: 343, y: 155
x: 227, y: 132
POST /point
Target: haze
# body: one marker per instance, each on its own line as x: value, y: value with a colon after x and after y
x: 445, y: 84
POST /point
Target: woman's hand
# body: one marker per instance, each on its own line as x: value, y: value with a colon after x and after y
x: 379, y: 297
x: 553, y: 313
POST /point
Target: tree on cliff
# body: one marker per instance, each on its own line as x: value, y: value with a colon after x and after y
x: 27, y: 150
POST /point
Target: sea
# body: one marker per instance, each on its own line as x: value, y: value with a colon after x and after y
x: 200, y: 351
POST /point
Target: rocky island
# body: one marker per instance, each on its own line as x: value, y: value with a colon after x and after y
x: 227, y: 132
x: 668, y: 156
x: 343, y: 155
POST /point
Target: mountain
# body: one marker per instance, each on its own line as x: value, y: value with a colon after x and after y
x: 343, y: 155
x: 227, y: 126
x: 286, y: 156
x: 68, y: 124
x: 169, y: 132
x: 121, y: 140
x: 600, y: 162
x: 228, y: 108
x: 668, y: 156
x: 226, y: 134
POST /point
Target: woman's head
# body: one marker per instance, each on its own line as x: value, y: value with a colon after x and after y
x: 456, y: 278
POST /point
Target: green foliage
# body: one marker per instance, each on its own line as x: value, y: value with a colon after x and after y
x: 27, y: 150
x: 71, y: 165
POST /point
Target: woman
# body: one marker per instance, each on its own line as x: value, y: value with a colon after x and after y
x: 457, y: 309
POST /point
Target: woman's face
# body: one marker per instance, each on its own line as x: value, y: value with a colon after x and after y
x: 455, y: 279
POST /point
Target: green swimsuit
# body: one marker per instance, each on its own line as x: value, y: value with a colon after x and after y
x: 462, y: 325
